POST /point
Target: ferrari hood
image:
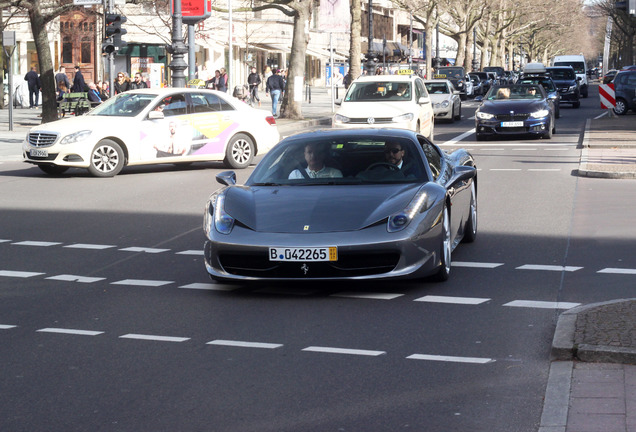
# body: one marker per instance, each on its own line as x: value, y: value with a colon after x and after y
x: 316, y: 209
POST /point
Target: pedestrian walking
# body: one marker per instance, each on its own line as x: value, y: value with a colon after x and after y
x: 78, y: 81
x: 213, y: 82
x: 254, y: 80
x: 275, y: 86
x: 34, y: 84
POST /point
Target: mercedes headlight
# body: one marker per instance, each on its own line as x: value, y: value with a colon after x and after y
x: 76, y: 137
x: 422, y: 201
x: 445, y: 104
x: 540, y: 114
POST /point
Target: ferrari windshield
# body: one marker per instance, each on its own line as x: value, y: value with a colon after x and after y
x: 124, y: 105
x: 365, y: 91
x: 337, y: 161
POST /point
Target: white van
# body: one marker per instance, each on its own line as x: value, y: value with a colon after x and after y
x: 578, y: 64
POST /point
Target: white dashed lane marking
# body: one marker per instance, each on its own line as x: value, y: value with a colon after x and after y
x: 90, y: 246
x: 618, y: 271
x: 74, y: 278
x: 548, y: 268
x: 142, y: 282
x: 451, y: 359
x: 244, y: 344
x: 6, y: 326
x: 541, y: 304
x: 70, y: 331
x: 145, y: 250
x: 331, y: 350
x: 37, y: 243
x: 209, y: 286
x: 475, y: 264
x: 372, y: 296
x: 452, y: 300
x: 154, y: 338
x: 19, y: 274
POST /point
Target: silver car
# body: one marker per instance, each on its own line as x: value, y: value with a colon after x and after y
x: 343, y: 204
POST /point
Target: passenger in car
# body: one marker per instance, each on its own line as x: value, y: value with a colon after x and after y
x: 315, y: 155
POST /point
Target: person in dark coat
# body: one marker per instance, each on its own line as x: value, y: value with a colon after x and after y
x: 33, y: 81
x: 78, y: 81
x: 61, y: 77
x: 222, y: 83
x: 275, y: 86
x: 93, y: 94
x: 254, y: 80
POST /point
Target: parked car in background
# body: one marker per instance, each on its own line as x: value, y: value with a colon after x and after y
x: 392, y: 101
x: 625, y: 90
x: 153, y: 126
x: 486, y: 81
x: 499, y: 72
x: 567, y: 83
x: 447, y: 103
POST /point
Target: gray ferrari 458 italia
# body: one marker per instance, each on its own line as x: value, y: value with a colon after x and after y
x: 350, y: 204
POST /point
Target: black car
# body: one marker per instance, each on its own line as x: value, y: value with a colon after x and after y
x: 515, y: 109
x: 567, y: 83
x: 499, y: 72
x: 456, y: 75
x: 478, y: 86
x: 625, y: 90
x: 486, y: 81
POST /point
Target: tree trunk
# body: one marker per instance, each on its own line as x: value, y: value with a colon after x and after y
x: 291, y: 108
x: 47, y: 77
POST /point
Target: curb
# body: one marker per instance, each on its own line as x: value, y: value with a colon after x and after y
x: 565, y: 349
x: 291, y: 127
x: 583, y: 170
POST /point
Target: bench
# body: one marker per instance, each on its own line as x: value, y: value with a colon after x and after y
x: 74, y: 103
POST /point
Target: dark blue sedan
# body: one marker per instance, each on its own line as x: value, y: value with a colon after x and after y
x: 509, y: 110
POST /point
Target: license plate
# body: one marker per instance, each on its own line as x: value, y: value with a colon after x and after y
x: 512, y: 124
x: 39, y: 153
x: 314, y: 254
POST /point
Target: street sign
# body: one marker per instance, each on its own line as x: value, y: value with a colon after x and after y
x: 87, y: 2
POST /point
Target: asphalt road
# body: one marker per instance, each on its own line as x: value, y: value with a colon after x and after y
x: 108, y: 321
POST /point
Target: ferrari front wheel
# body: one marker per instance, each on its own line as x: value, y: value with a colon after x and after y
x: 445, y: 250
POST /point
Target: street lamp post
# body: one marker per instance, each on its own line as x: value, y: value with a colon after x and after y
x: 370, y: 66
x: 178, y: 48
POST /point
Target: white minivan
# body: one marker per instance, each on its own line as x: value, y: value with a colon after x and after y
x: 578, y: 64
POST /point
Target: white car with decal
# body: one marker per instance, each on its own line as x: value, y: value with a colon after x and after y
x: 150, y: 126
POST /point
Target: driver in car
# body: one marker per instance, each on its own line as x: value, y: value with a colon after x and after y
x: 315, y: 155
x: 394, y: 154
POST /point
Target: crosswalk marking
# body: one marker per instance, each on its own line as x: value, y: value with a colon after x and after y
x: 145, y: 250
x: 37, y: 243
x: 618, y: 271
x: 89, y: 246
x: 142, y: 282
x: 475, y: 264
x: 542, y: 304
x: 331, y: 350
x: 153, y: 338
x: 70, y: 331
x: 19, y: 274
x: 548, y: 268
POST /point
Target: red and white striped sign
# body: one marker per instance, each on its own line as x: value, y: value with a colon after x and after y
x: 608, y: 97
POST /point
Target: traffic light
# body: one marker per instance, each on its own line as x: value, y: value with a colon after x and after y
x: 113, y: 33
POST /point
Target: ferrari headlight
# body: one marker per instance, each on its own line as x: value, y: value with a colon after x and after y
x: 339, y: 118
x: 76, y: 137
x: 540, y: 114
x: 484, y: 115
x: 404, y: 118
x: 223, y: 222
x: 420, y: 202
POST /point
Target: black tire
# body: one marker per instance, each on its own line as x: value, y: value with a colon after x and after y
x: 240, y: 152
x: 576, y: 104
x: 621, y: 107
x: 459, y: 112
x: 107, y: 159
x: 584, y: 93
x: 470, y: 229
x: 557, y: 113
x: 445, y: 249
x: 53, y: 169
x: 480, y: 137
